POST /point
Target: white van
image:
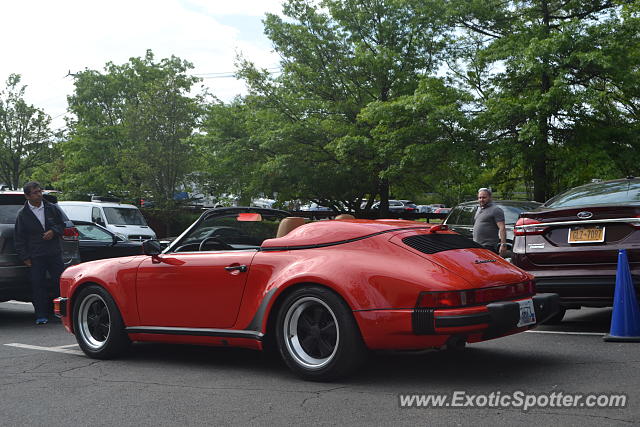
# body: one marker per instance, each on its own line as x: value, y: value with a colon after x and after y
x: 122, y: 219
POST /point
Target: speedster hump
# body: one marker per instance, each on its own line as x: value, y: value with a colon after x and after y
x: 323, y: 233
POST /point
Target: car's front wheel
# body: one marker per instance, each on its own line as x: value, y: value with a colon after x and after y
x: 98, y: 325
x: 317, y: 335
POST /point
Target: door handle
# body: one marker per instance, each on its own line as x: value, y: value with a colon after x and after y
x: 240, y: 268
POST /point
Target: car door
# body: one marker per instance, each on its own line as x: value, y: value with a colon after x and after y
x: 95, y: 242
x: 192, y: 289
x: 198, y: 282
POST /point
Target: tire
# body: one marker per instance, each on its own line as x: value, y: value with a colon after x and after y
x: 556, y: 319
x: 317, y: 336
x: 98, y: 325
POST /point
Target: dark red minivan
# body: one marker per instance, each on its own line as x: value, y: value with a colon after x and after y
x: 571, y: 242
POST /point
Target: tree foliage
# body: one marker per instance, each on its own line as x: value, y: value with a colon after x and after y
x: 546, y: 75
x: 374, y: 99
x: 26, y: 140
x: 309, y: 127
x: 131, y: 128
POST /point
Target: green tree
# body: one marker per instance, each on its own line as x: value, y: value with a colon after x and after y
x: 536, y: 67
x: 131, y: 128
x: 337, y: 59
x: 26, y: 140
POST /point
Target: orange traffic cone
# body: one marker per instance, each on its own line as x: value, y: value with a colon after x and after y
x: 625, y: 319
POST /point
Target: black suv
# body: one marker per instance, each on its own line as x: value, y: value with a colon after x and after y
x: 14, y: 275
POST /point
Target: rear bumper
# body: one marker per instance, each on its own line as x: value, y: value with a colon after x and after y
x: 494, y: 319
x: 594, y: 291
x: 423, y: 328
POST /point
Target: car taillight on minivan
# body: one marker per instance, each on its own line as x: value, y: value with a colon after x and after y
x: 528, y: 226
x: 70, y: 233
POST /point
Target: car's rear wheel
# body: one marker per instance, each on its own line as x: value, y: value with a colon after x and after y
x: 317, y: 335
x: 98, y: 325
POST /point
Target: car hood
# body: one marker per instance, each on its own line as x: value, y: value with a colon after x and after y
x: 323, y: 233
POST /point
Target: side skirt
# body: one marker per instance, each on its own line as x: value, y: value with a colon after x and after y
x: 202, y: 332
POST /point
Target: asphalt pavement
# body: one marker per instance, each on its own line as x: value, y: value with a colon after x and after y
x: 46, y: 380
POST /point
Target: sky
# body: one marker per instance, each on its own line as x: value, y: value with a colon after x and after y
x: 44, y: 40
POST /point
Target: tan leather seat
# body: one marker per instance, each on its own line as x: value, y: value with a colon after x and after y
x: 345, y: 216
x: 287, y: 224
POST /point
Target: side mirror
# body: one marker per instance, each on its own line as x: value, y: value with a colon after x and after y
x: 117, y: 239
x: 151, y: 247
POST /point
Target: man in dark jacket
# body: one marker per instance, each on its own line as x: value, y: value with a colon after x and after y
x: 38, y: 240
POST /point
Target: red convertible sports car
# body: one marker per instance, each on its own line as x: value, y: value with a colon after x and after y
x: 322, y: 293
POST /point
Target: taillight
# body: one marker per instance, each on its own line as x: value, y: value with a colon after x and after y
x: 442, y: 299
x: 70, y: 233
x: 528, y: 226
x: 408, y: 209
x: 449, y: 299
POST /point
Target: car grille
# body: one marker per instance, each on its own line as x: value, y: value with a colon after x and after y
x: 139, y: 237
x: 434, y: 243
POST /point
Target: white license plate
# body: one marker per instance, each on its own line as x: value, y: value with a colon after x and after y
x: 527, y: 313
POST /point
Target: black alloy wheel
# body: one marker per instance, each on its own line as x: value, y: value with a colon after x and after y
x: 97, y: 324
x: 317, y: 335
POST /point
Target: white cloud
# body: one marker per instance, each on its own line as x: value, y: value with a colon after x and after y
x: 45, y: 39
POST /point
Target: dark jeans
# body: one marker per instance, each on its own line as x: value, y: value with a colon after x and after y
x: 44, y: 290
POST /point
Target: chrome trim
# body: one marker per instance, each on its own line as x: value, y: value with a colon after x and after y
x: 583, y: 222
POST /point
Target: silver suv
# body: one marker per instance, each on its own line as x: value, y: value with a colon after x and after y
x: 14, y: 275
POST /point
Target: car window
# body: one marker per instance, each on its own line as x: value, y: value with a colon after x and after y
x: 511, y: 213
x: 598, y: 193
x: 96, y: 216
x: 466, y: 215
x: 453, y: 216
x: 9, y: 213
x: 10, y: 204
x: 124, y: 216
x: 227, y: 233
x: 91, y: 232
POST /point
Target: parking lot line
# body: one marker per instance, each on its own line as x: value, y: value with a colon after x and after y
x: 599, y: 334
x: 67, y: 346
x: 60, y: 349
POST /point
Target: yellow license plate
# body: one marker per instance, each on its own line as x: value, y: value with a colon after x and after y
x: 586, y: 235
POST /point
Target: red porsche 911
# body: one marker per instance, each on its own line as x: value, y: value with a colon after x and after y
x: 321, y: 293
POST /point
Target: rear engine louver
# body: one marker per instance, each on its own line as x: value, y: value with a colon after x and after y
x: 434, y: 243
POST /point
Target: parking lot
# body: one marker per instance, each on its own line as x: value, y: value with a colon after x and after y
x: 45, y: 378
